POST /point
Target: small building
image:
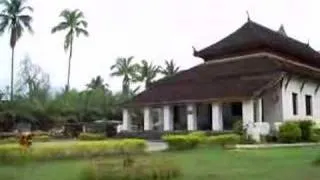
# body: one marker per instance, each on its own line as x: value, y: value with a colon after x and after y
x: 260, y: 76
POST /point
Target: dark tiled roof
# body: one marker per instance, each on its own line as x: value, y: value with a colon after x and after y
x: 209, y: 81
x: 253, y: 37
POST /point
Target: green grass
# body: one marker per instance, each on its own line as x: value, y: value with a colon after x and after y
x: 200, y: 164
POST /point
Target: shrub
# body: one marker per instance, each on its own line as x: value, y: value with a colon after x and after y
x: 151, y: 169
x: 199, y: 134
x: 91, y: 137
x: 83, y: 149
x: 228, y: 139
x: 315, y: 134
x: 306, y: 129
x: 289, y: 132
x: 237, y: 128
x: 182, y: 142
x: 270, y: 138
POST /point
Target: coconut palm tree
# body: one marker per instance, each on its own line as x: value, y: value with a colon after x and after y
x: 15, y: 21
x: 170, y: 68
x: 147, y: 72
x: 75, y: 25
x: 126, y: 69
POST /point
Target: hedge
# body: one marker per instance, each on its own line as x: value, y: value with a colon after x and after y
x: 222, y: 140
x: 91, y: 136
x: 80, y: 149
x: 182, y: 142
x: 151, y: 169
x: 193, y: 140
x: 157, y: 135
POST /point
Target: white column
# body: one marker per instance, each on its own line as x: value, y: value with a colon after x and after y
x: 147, y: 119
x: 126, y: 120
x: 217, y: 121
x: 248, y: 119
x: 160, y: 118
x: 168, y: 118
x: 192, y: 117
x: 247, y: 112
x: 259, y: 110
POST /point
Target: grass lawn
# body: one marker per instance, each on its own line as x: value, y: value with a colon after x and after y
x: 200, y: 164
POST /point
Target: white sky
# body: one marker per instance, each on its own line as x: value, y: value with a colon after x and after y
x: 154, y: 30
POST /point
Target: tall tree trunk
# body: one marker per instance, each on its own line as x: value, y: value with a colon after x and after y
x: 69, y: 66
x: 12, y: 73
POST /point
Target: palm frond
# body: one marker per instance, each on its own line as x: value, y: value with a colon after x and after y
x: 59, y: 27
x: 5, y: 3
x: 29, y: 8
x: 4, y: 22
x: 83, y: 23
x: 81, y: 31
x: 65, y: 13
x: 67, y: 40
x: 78, y: 14
x: 26, y: 21
x: 16, y: 33
x: 117, y: 73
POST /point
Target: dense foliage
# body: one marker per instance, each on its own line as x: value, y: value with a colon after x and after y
x: 80, y: 149
x: 194, y: 139
x: 37, y: 103
x: 222, y: 140
x: 91, y: 137
x: 289, y: 132
x: 306, y: 129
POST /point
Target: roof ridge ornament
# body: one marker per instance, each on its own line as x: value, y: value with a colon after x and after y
x: 248, y: 16
x: 194, y: 50
x: 282, y: 31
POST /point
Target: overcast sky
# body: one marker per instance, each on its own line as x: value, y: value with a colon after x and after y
x: 154, y: 30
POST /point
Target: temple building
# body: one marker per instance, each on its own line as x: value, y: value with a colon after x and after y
x: 260, y: 76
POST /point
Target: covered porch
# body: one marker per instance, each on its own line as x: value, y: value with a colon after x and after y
x: 215, y: 116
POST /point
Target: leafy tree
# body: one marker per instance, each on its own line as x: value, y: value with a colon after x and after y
x: 33, y: 81
x: 74, y: 23
x: 96, y: 83
x: 13, y: 19
x: 147, y: 72
x: 126, y: 69
x: 170, y: 68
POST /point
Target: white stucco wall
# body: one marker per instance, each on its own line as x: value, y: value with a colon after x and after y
x: 272, y: 105
x: 294, y: 86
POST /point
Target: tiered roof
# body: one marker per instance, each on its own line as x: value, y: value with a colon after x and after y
x: 236, y: 79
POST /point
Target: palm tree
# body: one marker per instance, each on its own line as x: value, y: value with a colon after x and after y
x: 147, y: 72
x: 96, y: 83
x: 170, y: 68
x: 124, y: 67
x: 74, y: 23
x: 13, y: 19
